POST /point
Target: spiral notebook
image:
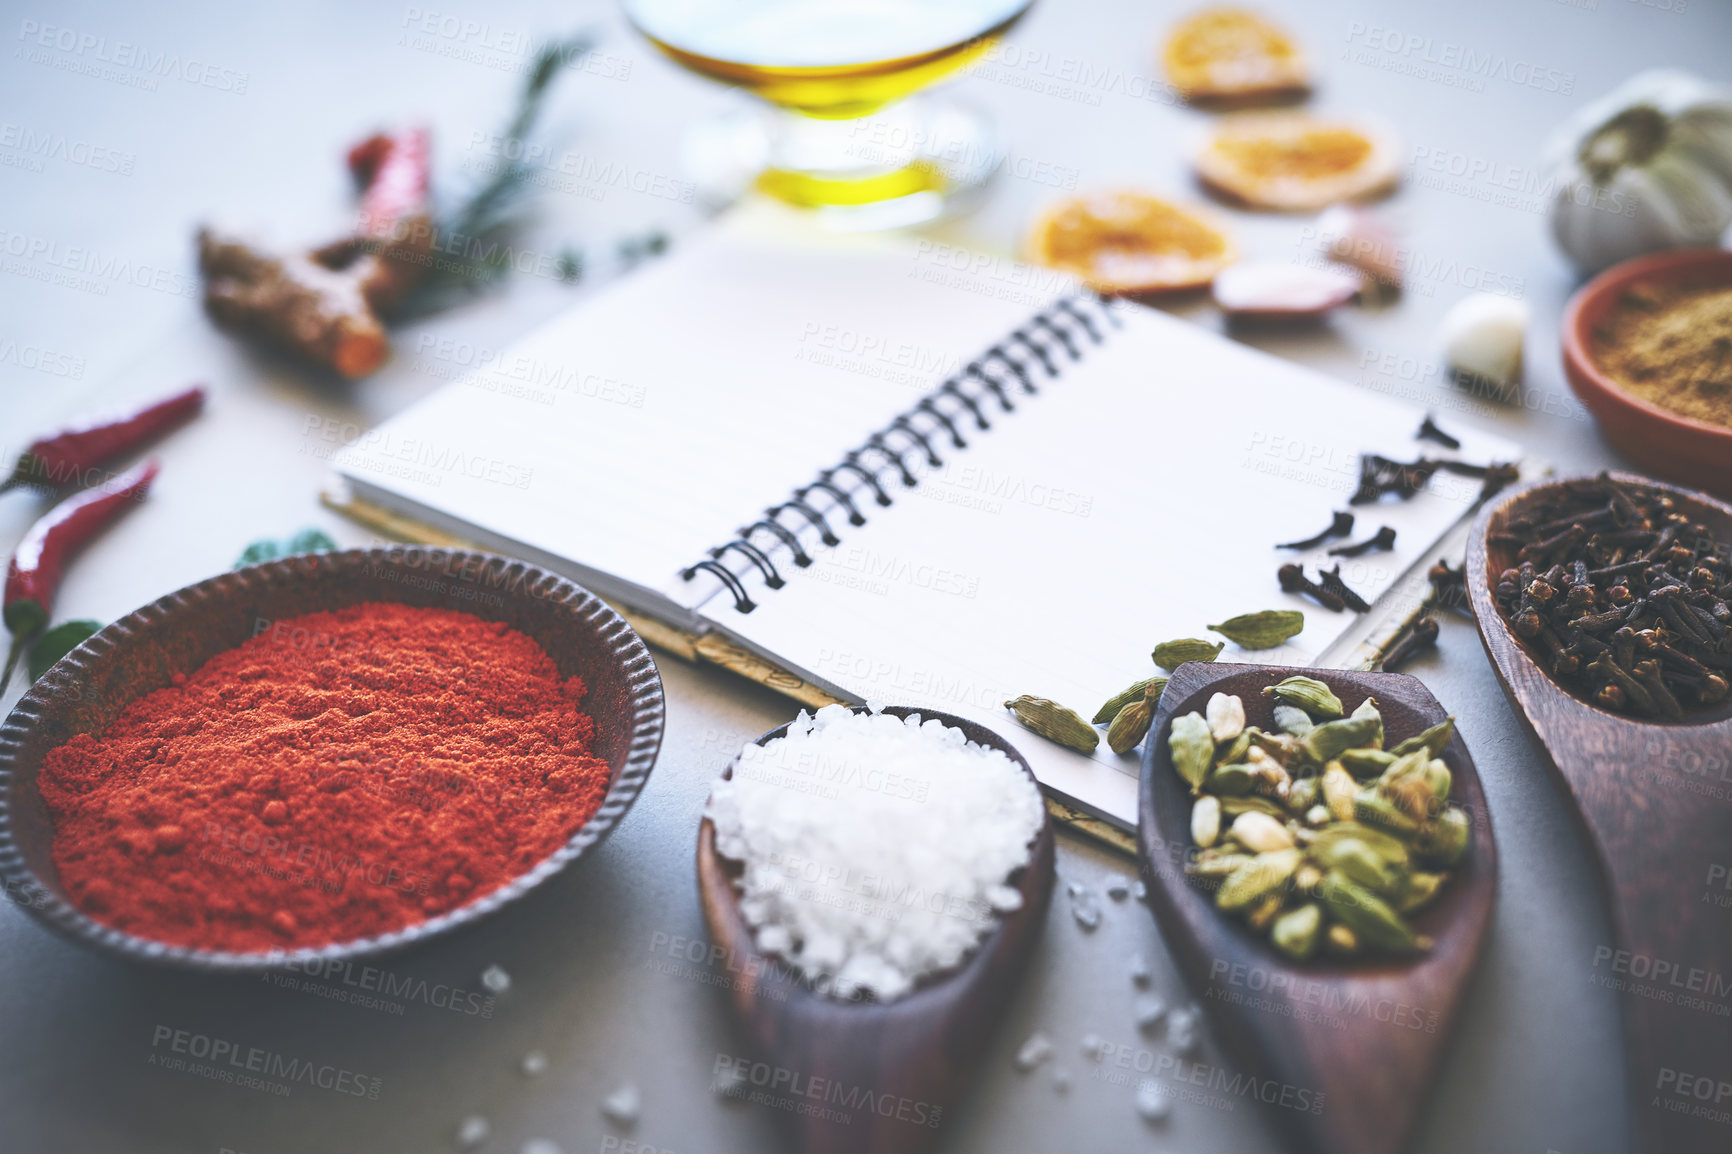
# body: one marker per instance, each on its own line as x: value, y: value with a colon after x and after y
x: 902, y: 471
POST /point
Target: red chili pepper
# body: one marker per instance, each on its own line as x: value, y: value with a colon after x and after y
x: 37, y: 565
x: 66, y: 459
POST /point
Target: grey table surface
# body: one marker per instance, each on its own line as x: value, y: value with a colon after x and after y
x: 122, y: 127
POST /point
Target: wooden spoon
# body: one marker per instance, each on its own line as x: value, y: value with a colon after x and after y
x: 1656, y: 800
x: 1344, y: 1048
x: 912, y: 1056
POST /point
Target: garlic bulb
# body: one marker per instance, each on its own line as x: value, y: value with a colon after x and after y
x: 1646, y: 167
x: 1482, y: 340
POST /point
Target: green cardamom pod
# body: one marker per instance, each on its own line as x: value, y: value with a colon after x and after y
x: 1296, y: 932
x: 1130, y: 726
x: 1340, y: 941
x: 1367, y: 915
x: 1054, y: 722
x: 1308, y: 694
x: 1318, y: 815
x: 1262, y: 915
x: 1225, y: 714
x: 1234, y: 806
x: 1237, y: 748
x: 1192, y: 749
x: 1260, y: 833
x: 1404, y: 766
x: 1438, y: 777
x: 1149, y: 687
x: 1387, y: 846
x: 1360, y: 863
x: 1443, y: 841
x: 1265, y: 630
x: 1206, y: 821
x: 1420, y: 890
x: 1333, y: 738
x: 1230, y: 780
x: 1372, y: 808
x: 1339, y: 789
x: 1169, y: 655
x: 1303, y: 794
x: 1293, y: 721
x: 1258, y: 879
x: 1366, y: 762
x: 1214, y: 865
x: 1368, y: 711
x: 1432, y: 740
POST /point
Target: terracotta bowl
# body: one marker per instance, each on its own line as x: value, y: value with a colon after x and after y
x: 1662, y: 442
x: 141, y: 652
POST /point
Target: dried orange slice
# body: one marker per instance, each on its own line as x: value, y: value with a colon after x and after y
x: 1297, y: 162
x: 1130, y: 242
x: 1231, y: 54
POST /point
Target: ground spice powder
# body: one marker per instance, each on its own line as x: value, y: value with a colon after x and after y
x: 1672, y: 345
x: 338, y: 776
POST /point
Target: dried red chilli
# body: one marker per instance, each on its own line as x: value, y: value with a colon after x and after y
x: 66, y: 459
x: 33, y: 577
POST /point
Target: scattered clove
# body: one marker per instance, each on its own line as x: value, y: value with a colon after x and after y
x: 1621, y: 596
x: 1340, y: 527
x: 1379, y: 475
x: 1420, y: 634
x: 1293, y: 580
x: 1384, y: 539
x: 1332, y: 582
x: 1449, y: 587
x: 1428, y: 431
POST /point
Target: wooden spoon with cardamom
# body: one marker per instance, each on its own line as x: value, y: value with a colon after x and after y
x: 866, y: 1077
x: 1656, y: 800
x: 1343, y: 1050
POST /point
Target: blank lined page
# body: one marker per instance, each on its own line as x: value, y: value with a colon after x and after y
x: 1136, y: 499
x: 647, y: 425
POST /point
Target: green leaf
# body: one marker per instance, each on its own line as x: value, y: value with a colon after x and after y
x: 269, y: 549
x: 263, y: 550
x: 57, y: 643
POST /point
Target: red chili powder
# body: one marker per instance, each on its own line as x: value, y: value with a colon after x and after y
x: 338, y: 776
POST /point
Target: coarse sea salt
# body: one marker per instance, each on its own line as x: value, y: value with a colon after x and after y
x: 876, y: 849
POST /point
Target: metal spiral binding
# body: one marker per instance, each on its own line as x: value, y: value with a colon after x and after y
x: 1039, y: 344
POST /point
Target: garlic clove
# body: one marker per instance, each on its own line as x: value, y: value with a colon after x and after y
x: 1277, y: 289
x: 1482, y: 339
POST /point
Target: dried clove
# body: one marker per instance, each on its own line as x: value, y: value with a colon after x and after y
x: 1340, y: 527
x: 1449, y: 587
x: 1428, y: 431
x: 1384, y: 539
x: 1331, y: 581
x: 1420, y: 634
x: 1293, y: 580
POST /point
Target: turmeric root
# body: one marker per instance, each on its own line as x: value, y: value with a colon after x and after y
x: 327, y: 305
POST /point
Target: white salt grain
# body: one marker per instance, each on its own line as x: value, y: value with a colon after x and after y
x: 622, y: 1106
x: 1084, y: 907
x: 1036, y: 1050
x: 1139, y: 970
x: 472, y: 1132
x: 1118, y: 887
x: 1061, y: 1080
x: 535, y: 1063
x: 496, y: 979
x: 1152, y: 1102
x: 1093, y: 1047
x: 876, y: 849
x: 728, y: 1082
x: 542, y: 1146
x: 1140, y: 891
x: 1148, y: 1010
x: 1182, y: 1030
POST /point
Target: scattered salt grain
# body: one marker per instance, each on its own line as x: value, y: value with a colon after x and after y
x: 1140, y: 892
x: 1148, y: 1010
x: 472, y: 1132
x: 496, y: 979
x: 535, y: 1063
x: 876, y: 849
x: 1152, y: 1102
x: 1084, y: 906
x: 1139, y: 970
x: 1036, y: 1050
x: 1182, y: 1030
x: 1118, y: 887
x: 1093, y: 1047
x: 542, y: 1146
x: 622, y: 1106
x: 1061, y: 1080
x: 728, y: 1082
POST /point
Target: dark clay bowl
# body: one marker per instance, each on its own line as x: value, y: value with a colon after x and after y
x: 1667, y: 444
x: 142, y: 651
